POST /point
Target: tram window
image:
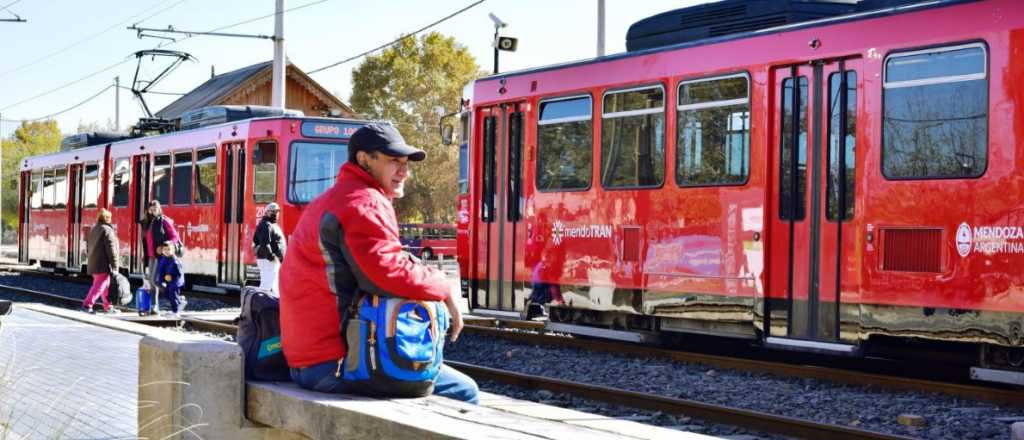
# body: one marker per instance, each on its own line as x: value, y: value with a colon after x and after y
x: 60, y: 188
x: 182, y: 178
x: 91, y: 187
x: 206, y: 175
x: 162, y: 178
x: 713, y: 126
x: 313, y: 169
x: 464, y: 155
x: 936, y: 113
x: 36, y: 199
x: 122, y: 181
x: 564, y: 144
x: 836, y: 115
x: 265, y: 172
x: 633, y: 138
x: 48, y: 189
x: 793, y: 149
x: 463, y: 168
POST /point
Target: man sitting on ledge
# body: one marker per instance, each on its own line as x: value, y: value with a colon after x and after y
x: 347, y: 241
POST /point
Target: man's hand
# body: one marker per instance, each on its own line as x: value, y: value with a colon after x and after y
x: 456, y: 318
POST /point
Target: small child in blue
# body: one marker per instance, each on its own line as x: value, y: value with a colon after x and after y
x: 171, y: 276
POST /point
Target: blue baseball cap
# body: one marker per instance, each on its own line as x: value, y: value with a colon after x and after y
x: 384, y: 138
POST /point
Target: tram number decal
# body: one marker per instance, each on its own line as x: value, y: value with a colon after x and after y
x: 329, y: 130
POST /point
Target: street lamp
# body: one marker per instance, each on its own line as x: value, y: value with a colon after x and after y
x: 501, y: 43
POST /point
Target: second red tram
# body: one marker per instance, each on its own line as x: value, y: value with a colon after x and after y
x: 820, y: 186
x: 213, y: 180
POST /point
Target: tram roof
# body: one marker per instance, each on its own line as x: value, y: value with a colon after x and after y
x: 883, y: 12
x: 205, y: 136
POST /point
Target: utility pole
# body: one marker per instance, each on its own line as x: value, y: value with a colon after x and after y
x: 600, y: 28
x: 117, y: 103
x: 498, y: 24
x: 278, y: 78
x: 277, y: 85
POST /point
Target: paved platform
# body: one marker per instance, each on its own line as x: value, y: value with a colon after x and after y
x: 65, y: 379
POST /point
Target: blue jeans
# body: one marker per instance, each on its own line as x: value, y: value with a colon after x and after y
x: 450, y: 382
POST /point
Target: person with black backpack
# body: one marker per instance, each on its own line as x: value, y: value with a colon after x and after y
x: 269, y: 246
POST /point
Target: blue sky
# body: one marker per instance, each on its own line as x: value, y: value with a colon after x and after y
x: 66, y: 41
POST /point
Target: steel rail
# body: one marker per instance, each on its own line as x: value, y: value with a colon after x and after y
x: 51, y: 296
x: 77, y: 278
x: 748, y: 419
x: 988, y: 394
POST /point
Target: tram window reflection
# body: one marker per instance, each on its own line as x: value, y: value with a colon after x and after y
x: 633, y: 138
x: 264, y: 188
x: 183, y: 178
x: 564, y: 144
x: 91, y: 187
x: 162, y: 178
x: 936, y: 113
x: 205, y: 175
x: 60, y: 188
x: 713, y: 126
x: 37, y: 190
x: 48, y: 188
x: 313, y: 168
x: 122, y: 180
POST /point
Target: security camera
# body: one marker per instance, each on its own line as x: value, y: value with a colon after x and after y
x: 497, y: 21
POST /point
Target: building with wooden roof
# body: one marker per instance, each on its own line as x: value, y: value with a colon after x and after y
x: 251, y: 86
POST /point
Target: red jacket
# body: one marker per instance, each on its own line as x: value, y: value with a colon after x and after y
x: 346, y: 241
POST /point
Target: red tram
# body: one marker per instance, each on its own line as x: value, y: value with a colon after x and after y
x: 214, y: 178
x: 841, y: 185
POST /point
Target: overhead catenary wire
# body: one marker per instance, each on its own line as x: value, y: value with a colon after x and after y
x: 395, y: 41
x: 65, y: 85
x: 154, y: 92
x: 76, y: 81
x: 93, y: 36
x: 302, y: 6
x: 4, y: 8
x: 49, y: 116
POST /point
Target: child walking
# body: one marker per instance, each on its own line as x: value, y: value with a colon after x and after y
x: 171, y: 276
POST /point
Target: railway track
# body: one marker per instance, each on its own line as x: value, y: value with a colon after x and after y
x: 852, y: 377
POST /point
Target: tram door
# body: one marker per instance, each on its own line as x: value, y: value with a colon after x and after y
x: 139, y: 204
x: 501, y: 235
x: 25, y: 219
x: 813, y: 239
x: 232, y: 270
x: 75, y: 248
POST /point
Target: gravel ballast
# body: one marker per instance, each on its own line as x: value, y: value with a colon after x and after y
x: 865, y: 407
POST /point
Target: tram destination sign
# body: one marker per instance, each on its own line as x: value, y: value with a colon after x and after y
x: 329, y: 130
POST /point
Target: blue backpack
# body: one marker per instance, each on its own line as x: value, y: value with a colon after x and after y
x: 395, y: 346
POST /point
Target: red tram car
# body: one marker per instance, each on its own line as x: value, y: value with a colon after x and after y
x: 844, y: 185
x: 214, y: 178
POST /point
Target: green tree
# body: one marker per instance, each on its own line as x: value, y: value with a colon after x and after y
x: 30, y: 139
x: 412, y: 84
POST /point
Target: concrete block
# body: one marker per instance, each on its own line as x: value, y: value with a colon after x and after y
x: 191, y: 387
x: 1017, y: 431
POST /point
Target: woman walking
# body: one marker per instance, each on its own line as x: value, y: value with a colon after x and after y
x: 103, y: 261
